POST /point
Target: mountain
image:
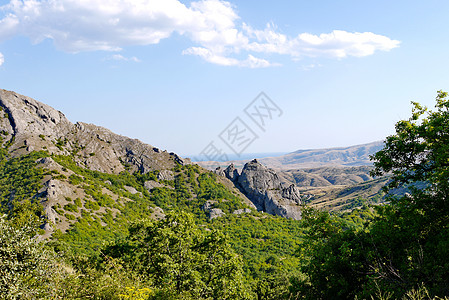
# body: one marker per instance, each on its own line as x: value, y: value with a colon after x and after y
x: 330, y: 179
x: 85, y: 189
x: 36, y: 126
x: 87, y: 170
x: 78, y: 170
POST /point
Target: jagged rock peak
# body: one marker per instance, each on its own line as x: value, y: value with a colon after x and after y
x: 258, y: 177
x: 31, y: 126
x: 264, y: 188
x: 231, y: 173
x: 27, y: 115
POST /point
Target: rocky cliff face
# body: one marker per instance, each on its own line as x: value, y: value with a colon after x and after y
x: 27, y: 125
x: 31, y: 126
x: 264, y: 188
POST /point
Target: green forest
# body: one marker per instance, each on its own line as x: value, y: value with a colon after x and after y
x: 114, y: 249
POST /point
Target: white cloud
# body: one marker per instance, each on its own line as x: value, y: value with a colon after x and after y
x: 254, y: 62
x: 88, y: 25
x: 337, y: 44
x: 2, y: 59
x: 8, y: 26
x: 120, y: 57
x: 212, y: 25
x: 210, y: 56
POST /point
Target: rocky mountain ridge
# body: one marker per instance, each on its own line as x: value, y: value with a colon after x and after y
x: 77, y: 157
x: 30, y: 125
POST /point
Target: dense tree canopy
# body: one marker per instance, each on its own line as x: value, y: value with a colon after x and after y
x: 416, y: 225
x: 182, y: 260
x: 419, y: 151
x: 26, y: 266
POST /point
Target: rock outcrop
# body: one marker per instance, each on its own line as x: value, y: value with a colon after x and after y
x: 264, y: 188
x: 242, y: 211
x: 212, y: 212
x: 231, y: 173
x: 151, y: 184
x: 32, y: 126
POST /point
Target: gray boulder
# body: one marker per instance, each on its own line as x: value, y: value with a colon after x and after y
x: 212, y: 212
x: 151, y: 184
x: 219, y: 171
x: 241, y: 211
x: 216, y: 213
x: 166, y: 175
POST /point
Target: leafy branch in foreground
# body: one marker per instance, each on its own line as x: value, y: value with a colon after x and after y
x: 404, y: 248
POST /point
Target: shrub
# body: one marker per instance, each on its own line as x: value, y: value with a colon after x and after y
x: 26, y: 266
x: 71, y: 207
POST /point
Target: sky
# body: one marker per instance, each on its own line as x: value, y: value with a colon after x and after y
x: 217, y: 77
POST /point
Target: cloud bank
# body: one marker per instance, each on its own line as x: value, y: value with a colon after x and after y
x: 213, y: 26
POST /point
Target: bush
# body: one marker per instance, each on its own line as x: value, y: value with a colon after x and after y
x: 71, y: 207
x: 26, y: 266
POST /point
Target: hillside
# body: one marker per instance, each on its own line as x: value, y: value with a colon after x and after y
x: 326, y: 176
x: 85, y: 186
x: 86, y: 170
x: 336, y: 188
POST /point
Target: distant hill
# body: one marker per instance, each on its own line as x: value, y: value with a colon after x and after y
x: 352, y: 156
x: 326, y: 176
x: 344, y: 157
x: 336, y: 188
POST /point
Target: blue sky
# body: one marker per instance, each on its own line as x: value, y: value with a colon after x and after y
x: 175, y: 74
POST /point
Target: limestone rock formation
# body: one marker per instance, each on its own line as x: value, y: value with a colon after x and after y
x: 241, y: 211
x: 216, y: 213
x: 151, y: 184
x: 219, y: 171
x: 231, y: 173
x: 212, y: 212
x: 166, y: 175
x: 33, y: 126
x: 264, y: 188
